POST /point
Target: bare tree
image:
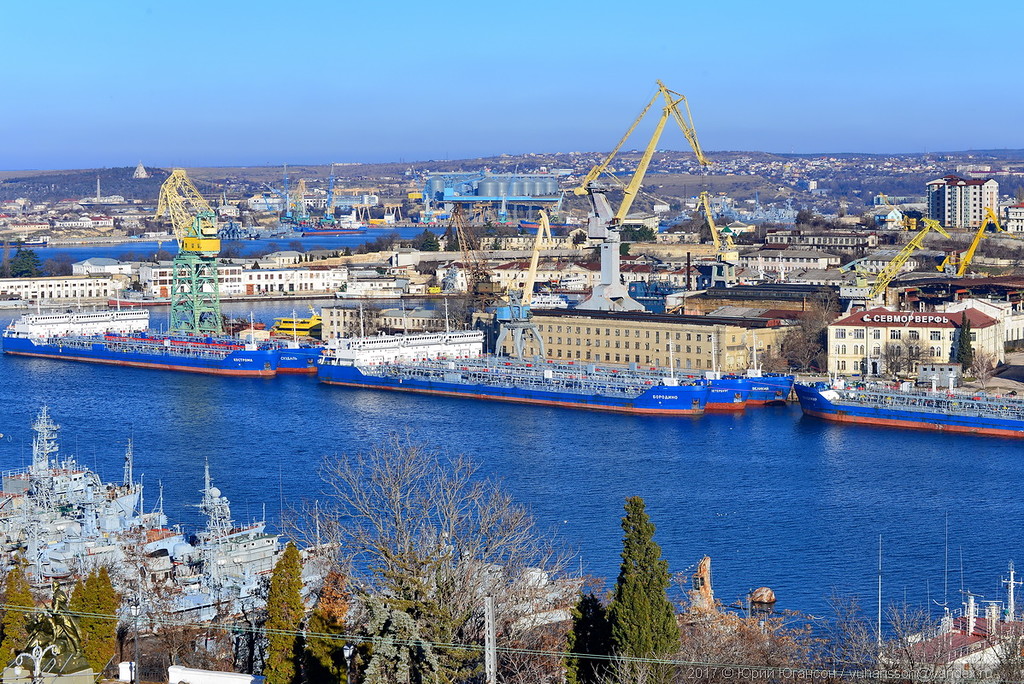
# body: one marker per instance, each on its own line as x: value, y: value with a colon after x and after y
x: 983, y: 366
x: 429, y: 538
x: 894, y: 358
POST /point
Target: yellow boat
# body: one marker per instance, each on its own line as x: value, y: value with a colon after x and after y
x: 293, y: 326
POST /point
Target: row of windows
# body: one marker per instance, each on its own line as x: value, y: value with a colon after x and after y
x: 914, y: 350
x: 620, y: 358
x: 619, y: 332
x: 580, y: 342
x: 894, y: 334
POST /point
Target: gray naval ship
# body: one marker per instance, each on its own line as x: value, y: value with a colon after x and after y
x: 62, y: 521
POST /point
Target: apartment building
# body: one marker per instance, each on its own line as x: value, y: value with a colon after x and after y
x: 957, y: 202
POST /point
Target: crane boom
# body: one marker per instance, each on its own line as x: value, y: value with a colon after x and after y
x: 965, y: 261
x: 541, y: 241
x: 892, y: 269
x: 604, y: 222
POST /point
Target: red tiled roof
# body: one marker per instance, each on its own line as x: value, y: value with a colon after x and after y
x: 881, y: 317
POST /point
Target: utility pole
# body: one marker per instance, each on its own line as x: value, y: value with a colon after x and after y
x: 490, y: 648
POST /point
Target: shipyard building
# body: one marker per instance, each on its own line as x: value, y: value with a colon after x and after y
x: 880, y: 341
x: 697, y: 342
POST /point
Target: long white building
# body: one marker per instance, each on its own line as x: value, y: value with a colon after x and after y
x: 61, y: 288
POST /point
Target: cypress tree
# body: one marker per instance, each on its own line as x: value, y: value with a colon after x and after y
x: 964, y: 350
x: 643, y: 621
x: 97, y: 604
x: 589, y: 634
x: 284, y: 618
x: 19, y: 604
x: 325, y: 655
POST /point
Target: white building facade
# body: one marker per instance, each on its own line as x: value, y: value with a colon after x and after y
x: 957, y: 202
x: 61, y: 288
x: 884, y: 342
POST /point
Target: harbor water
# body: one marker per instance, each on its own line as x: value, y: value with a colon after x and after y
x: 775, y: 498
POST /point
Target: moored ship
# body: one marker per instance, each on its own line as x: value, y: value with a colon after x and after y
x: 123, y: 338
x: 452, y: 364
x: 905, y: 407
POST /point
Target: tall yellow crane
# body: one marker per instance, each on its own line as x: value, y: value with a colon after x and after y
x: 892, y: 269
x: 610, y: 294
x: 195, y: 290
x: 968, y: 256
x: 724, y: 245
x: 514, y: 317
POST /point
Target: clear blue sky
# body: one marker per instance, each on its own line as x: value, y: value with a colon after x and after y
x: 224, y: 82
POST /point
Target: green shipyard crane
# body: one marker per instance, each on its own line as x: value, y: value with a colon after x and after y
x: 195, y: 290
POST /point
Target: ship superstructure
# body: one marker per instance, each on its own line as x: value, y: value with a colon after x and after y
x: 65, y: 521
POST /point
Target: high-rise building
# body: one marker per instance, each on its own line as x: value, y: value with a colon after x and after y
x: 960, y: 203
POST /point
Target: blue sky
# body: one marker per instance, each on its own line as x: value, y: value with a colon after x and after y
x: 221, y: 82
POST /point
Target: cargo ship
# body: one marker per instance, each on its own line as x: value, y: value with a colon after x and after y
x: 906, y: 407
x: 453, y: 364
x: 123, y: 338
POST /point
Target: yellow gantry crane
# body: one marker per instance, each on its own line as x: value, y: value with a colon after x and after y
x: 610, y: 294
x: 968, y: 256
x: 892, y: 269
x: 195, y: 290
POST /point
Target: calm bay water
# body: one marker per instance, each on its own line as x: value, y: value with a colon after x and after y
x: 774, y: 498
x: 141, y: 249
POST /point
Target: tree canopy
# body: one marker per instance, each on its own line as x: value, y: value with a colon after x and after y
x: 643, y: 621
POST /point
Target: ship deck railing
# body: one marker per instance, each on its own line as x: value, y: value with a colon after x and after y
x: 158, y: 348
x: 563, y: 378
x: 959, y: 403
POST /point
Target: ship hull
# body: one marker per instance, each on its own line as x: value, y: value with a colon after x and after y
x: 770, y: 390
x: 728, y: 394
x: 814, y: 403
x: 240, y: 363
x: 683, y: 400
x: 301, y: 361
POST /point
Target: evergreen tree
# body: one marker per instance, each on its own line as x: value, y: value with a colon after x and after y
x: 325, y: 655
x: 964, y: 354
x: 643, y: 622
x: 18, y: 604
x: 589, y: 634
x: 97, y: 604
x: 284, y: 618
x: 5, y: 261
x: 26, y: 264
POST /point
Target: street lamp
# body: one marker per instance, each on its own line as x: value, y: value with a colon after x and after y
x: 135, y: 610
x: 348, y: 650
x: 36, y: 656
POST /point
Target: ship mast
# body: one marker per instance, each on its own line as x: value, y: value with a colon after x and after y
x: 44, y: 445
x: 129, y: 462
x: 1011, y: 606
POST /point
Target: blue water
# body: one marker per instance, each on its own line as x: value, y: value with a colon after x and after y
x: 142, y: 249
x: 774, y: 498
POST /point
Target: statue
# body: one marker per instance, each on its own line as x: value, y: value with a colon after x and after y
x: 57, y: 628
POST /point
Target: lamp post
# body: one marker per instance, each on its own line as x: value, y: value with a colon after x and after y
x: 135, y: 610
x: 348, y: 650
x: 36, y: 656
